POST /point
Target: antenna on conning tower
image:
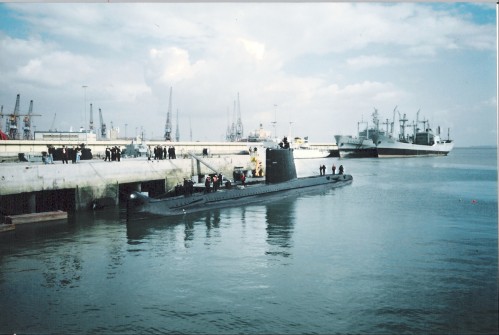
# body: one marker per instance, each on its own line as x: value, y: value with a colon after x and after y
x: 168, y: 125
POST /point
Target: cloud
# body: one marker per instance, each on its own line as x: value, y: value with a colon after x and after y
x: 362, y: 62
x: 324, y: 64
x: 169, y: 66
x: 253, y: 48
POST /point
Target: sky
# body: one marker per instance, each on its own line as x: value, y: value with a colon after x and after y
x: 299, y: 69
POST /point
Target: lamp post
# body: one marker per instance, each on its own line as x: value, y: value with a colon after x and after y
x: 126, y: 124
x: 85, y: 104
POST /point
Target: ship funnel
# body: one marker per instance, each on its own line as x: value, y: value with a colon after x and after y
x: 279, y: 165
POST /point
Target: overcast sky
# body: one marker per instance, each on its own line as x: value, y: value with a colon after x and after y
x: 316, y: 69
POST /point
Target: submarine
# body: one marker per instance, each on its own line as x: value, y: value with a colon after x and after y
x: 280, y: 181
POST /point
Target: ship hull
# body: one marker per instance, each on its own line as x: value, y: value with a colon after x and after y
x: 358, y: 152
x: 224, y: 198
x: 400, y: 149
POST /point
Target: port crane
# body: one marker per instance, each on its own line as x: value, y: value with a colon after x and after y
x: 11, y: 127
x: 239, y: 124
x: 103, y: 131
x: 168, y: 125
x: 235, y: 131
x: 27, y: 134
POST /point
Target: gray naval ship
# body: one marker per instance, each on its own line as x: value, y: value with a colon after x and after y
x: 280, y: 181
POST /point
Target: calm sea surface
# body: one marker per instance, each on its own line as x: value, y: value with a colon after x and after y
x: 409, y: 247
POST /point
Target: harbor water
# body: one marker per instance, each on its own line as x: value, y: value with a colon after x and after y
x: 409, y: 247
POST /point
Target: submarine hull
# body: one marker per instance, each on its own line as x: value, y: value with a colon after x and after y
x: 251, y: 194
x: 280, y: 181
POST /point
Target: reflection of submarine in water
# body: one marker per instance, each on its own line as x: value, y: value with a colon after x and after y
x: 280, y: 181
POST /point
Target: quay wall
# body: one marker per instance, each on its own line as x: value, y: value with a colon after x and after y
x: 91, y: 181
x: 10, y: 148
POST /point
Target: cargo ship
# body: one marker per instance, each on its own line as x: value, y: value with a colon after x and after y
x: 374, y: 142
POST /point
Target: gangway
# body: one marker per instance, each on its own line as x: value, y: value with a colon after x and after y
x: 202, y: 161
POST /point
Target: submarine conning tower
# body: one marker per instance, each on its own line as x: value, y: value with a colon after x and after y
x: 279, y: 165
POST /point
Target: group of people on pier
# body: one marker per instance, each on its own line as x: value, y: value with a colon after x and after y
x: 160, y: 152
x: 113, y: 154
x: 64, y: 154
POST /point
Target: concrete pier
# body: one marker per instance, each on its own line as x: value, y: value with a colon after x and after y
x: 11, y: 148
x: 37, y: 187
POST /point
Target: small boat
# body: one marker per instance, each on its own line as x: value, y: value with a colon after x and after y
x: 280, y: 181
x: 303, y: 150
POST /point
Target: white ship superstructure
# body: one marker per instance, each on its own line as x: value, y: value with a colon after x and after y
x: 364, y: 145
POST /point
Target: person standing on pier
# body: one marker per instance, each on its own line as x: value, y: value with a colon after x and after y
x: 50, y: 154
x: 72, y: 153
x: 64, y: 155
x: 78, y: 154
x: 108, y: 155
